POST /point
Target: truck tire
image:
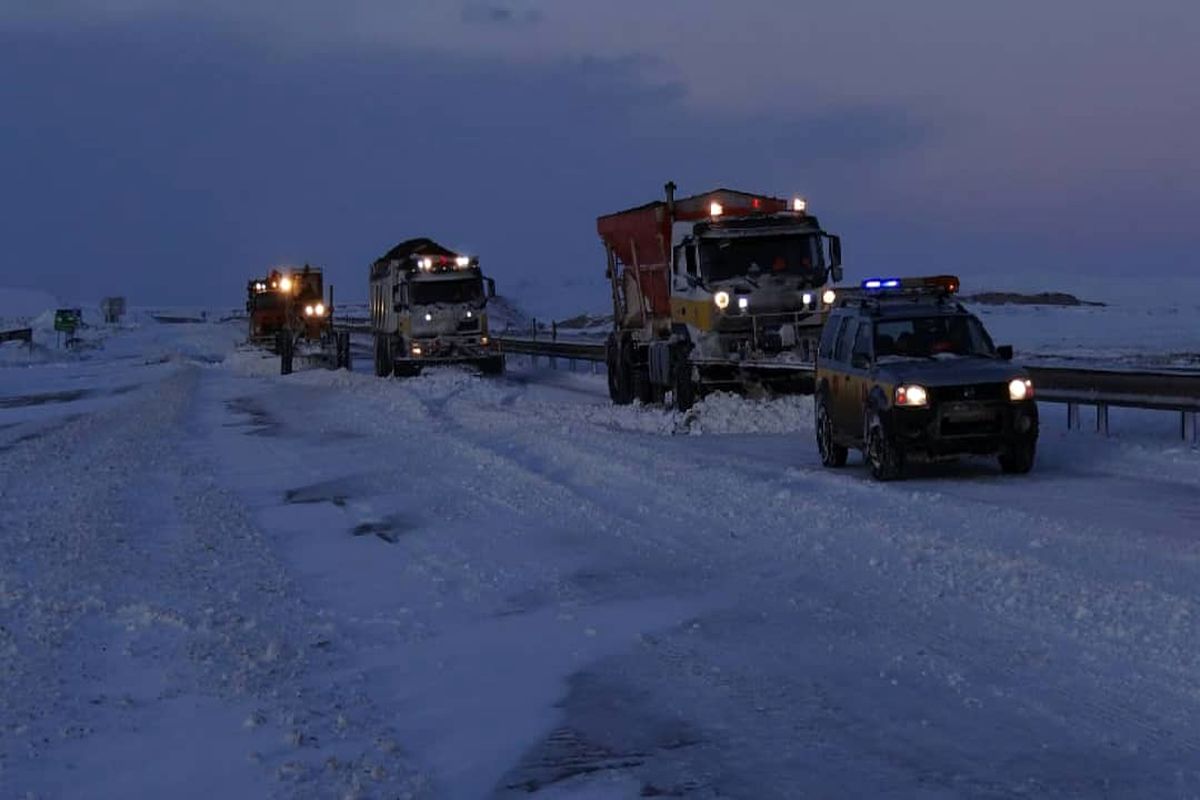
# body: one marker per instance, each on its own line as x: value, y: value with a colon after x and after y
x: 342, y: 350
x: 492, y: 365
x: 286, y: 354
x: 682, y: 386
x: 643, y: 389
x: 383, y: 356
x: 620, y: 378
x: 832, y: 453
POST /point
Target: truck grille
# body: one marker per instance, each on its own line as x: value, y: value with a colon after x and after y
x: 468, y: 325
x: 971, y: 392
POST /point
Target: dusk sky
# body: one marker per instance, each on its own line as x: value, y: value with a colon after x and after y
x: 169, y: 153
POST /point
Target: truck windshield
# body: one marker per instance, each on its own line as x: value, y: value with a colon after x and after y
x: 929, y: 337
x: 268, y: 300
x: 801, y: 255
x: 464, y: 290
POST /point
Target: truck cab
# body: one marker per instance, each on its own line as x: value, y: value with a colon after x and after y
x: 288, y: 300
x: 903, y: 372
x: 429, y: 306
x: 717, y: 290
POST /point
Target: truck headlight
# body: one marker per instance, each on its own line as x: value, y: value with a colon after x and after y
x: 743, y: 303
x: 1020, y: 389
x: 308, y: 311
x: 285, y: 284
x: 807, y: 298
x: 722, y: 300
x: 911, y: 395
x: 319, y: 309
x: 829, y: 296
x: 428, y: 317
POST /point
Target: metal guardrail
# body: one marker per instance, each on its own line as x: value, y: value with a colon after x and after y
x: 1101, y: 388
x: 1160, y: 391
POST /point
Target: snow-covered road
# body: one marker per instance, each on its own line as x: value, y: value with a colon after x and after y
x: 215, y: 581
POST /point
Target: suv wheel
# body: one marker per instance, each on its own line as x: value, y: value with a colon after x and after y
x: 1017, y: 457
x: 885, y: 460
x: 832, y: 453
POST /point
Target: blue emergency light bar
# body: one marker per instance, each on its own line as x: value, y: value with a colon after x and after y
x: 943, y: 284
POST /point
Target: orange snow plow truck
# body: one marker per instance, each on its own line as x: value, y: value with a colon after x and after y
x: 724, y: 289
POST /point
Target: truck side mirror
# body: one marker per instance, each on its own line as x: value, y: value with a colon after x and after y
x: 860, y: 361
x: 835, y: 252
x: 491, y: 287
x: 835, y: 274
x: 1005, y: 352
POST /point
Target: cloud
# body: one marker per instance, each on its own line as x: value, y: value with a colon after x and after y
x: 176, y: 165
x: 499, y: 14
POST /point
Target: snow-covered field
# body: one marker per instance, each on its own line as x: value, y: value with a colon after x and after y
x: 220, y: 582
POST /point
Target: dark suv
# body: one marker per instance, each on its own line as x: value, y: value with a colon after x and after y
x: 904, y: 371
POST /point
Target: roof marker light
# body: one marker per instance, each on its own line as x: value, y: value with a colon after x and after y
x: 799, y: 204
x: 715, y: 209
x: 462, y: 261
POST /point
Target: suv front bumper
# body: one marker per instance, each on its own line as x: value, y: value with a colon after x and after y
x: 950, y: 429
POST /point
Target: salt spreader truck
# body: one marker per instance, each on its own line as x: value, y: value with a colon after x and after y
x: 429, y: 306
x: 719, y: 290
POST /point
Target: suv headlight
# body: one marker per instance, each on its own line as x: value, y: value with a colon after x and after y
x: 1020, y: 389
x: 721, y: 299
x: 911, y: 395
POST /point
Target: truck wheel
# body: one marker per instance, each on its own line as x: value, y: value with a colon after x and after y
x: 1017, y: 458
x: 885, y: 460
x: 286, y: 354
x: 832, y: 453
x: 643, y: 389
x: 383, y: 356
x: 683, y: 387
x: 493, y: 365
x: 620, y: 379
x: 342, y: 350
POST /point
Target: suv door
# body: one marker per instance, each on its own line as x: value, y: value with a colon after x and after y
x: 840, y: 390
x: 858, y: 380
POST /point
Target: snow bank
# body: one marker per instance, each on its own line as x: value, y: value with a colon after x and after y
x: 252, y: 362
x: 19, y: 307
x: 718, y: 413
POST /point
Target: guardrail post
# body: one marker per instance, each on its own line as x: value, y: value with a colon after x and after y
x: 1102, y: 418
x: 1072, y: 416
x: 553, y: 338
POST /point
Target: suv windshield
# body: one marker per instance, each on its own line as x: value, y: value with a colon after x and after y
x: 464, y: 290
x: 792, y: 254
x: 927, y: 337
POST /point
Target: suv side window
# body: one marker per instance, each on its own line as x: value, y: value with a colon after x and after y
x: 829, y: 337
x: 845, y: 340
x: 862, y: 342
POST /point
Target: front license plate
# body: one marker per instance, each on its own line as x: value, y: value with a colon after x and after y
x: 966, y: 411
